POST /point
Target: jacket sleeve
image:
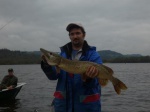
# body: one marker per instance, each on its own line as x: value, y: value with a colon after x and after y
x: 95, y: 57
x: 14, y: 82
x: 4, y: 81
x: 49, y: 71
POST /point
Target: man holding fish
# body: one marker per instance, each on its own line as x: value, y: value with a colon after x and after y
x: 76, y: 92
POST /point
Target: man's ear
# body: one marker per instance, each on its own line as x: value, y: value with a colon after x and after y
x: 84, y: 35
x: 69, y: 35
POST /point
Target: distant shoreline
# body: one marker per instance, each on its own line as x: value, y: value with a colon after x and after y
x: 8, y: 57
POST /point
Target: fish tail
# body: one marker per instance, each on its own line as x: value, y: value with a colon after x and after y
x: 118, y: 85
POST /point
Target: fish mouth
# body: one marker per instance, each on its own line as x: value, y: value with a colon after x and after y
x: 45, y: 52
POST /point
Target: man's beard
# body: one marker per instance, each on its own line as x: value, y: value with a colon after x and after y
x: 77, y: 43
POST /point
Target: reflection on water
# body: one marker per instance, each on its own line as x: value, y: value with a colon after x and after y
x: 9, y: 106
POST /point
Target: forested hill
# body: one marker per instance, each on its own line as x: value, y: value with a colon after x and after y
x: 114, y: 57
x: 107, y: 54
x: 21, y: 57
x: 18, y: 57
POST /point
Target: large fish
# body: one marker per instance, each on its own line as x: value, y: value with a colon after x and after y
x: 79, y: 67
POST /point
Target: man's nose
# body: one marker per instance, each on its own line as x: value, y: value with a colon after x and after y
x: 75, y: 36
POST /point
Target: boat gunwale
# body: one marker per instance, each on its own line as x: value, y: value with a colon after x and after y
x: 18, y: 86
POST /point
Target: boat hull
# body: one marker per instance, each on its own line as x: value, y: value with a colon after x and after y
x: 6, y: 94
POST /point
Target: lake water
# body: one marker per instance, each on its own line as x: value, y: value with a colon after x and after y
x: 38, y: 92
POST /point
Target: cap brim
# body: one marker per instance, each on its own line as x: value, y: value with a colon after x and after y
x: 71, y: 25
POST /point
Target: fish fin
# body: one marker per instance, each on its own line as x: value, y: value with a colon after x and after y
x: 108, y: 69
x: 118, y: 85
x: 103, y: 82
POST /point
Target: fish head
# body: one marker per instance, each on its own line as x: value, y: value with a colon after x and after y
x: 51, y: 57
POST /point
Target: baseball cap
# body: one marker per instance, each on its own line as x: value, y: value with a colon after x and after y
x: 10, y: 70
x: 72, y: 25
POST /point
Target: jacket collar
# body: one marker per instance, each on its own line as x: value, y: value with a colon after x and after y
x: 68, y: 48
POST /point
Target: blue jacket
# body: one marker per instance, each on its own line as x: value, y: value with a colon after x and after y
x: 72, y: 94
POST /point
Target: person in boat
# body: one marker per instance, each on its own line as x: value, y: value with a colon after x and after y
x: 73, y: 94
x: 9, y: 81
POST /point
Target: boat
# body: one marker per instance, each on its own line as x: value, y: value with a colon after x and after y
x: 11, y: 94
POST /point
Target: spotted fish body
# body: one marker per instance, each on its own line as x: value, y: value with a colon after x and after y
x: 79, y: 67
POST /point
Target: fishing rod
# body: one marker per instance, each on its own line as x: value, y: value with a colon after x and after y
x: 6, y: 24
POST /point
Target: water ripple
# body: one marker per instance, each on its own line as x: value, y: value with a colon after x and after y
x: 38, y: 92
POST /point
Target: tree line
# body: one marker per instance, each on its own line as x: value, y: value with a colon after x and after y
x: 141, y: 59
x: 8, y: 57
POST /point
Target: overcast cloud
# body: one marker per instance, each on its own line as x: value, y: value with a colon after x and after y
x: 118, y: 25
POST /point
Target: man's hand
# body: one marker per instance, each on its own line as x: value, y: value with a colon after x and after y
x: 10, y: 87
x: 43, y: 58
x: 57, y: 69
x: 91, y: 72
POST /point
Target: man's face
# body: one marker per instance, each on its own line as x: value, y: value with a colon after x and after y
x: 10, y: 72
x: 76, y: 37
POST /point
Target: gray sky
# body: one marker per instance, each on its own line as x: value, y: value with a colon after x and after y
x: 118, y: 25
